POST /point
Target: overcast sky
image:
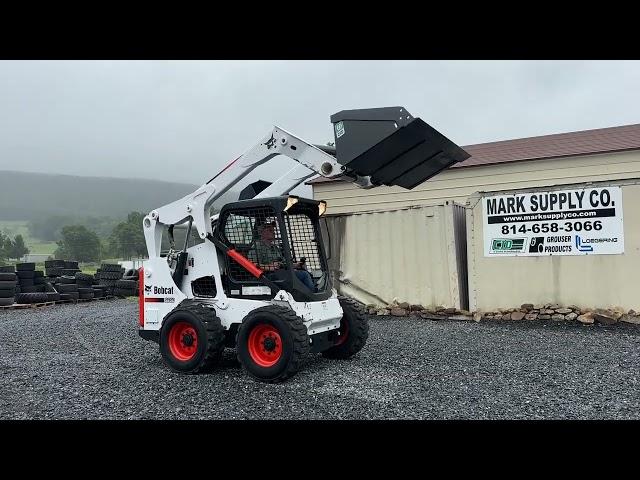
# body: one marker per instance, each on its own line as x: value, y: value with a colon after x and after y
x: 184, y: 120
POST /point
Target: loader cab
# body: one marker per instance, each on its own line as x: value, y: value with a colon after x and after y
x: 274, y: 234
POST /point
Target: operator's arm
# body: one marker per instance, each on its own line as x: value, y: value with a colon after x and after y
x: 270, y: 257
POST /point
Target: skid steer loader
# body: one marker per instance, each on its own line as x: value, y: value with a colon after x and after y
x: 255, y: 276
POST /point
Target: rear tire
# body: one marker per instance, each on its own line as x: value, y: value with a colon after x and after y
x: 192, y: 338
x: 354, y: 331
x: 272, y: 342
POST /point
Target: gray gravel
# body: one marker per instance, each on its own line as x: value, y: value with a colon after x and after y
x: 87, y: 361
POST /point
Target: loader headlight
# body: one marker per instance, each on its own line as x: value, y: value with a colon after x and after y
x: 322, y: 207
x: 291, y: 201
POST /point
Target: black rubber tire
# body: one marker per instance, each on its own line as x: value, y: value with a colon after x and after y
x: 119, y: 292
x: 8, y: 269
x: 48, y: 288
x: 110, y: 276
x: 54, y: 264
x: 67, y: 279
x: 293, y: 334
x: 40, y: 281
x: 7, y: 292
x: 38, y: 273
x: 82, y: 291
x: 8, y: 284
x: 68, y: 264
x: 28, y: 274
x: 355, y: 322
x: 110, y: 267
x: 31, y: 298
x: 52, y: 296
x: 126, y: 284
x: 31, y: 289
x: 130, y: 278
x: 86, y: 296
x: 25, y: 267
x: 26, y: 282
x: 7, y: 277
x: 97, y: 293
x: 132, y: 272
x: 5, y: 302
x: 209, y: 332
x: 69, y: 296
x: 54, y: 272
x: 66, y: 287
x: 84, y: 277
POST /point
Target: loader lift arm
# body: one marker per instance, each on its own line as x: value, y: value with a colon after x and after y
x: 378, y: 146
x: 311, y: 161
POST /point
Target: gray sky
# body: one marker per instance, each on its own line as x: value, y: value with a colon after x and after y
x: 184, y: 120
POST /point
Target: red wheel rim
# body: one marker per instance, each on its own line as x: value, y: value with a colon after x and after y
x: 344, y: 332
x: 183, y: 341
x: 265, y: 345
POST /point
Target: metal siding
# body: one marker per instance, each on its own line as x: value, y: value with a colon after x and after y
x: 404, y: 255
x: 587, y: 281
x: 460, y: 231
x: 458, y: 183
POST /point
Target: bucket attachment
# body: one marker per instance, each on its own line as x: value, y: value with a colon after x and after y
x: 391, y: 146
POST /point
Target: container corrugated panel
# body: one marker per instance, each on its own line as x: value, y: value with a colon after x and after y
x: 407, y: 255
x: 460, y: 232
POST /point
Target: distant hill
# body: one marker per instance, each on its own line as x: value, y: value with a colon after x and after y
x: 26, y: 196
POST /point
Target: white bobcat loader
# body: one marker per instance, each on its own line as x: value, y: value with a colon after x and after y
x: 255, y: 277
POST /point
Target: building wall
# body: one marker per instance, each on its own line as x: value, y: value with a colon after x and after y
x: 457, y: 184
x: 408, y: 255
x: 586, y: 281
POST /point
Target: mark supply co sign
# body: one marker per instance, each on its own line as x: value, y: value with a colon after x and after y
x: 562, y: 222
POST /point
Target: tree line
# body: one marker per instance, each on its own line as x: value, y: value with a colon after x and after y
x: 12, y: 249
x: 126, y: 240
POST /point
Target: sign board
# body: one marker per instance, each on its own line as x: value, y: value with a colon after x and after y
x: 560, y: 222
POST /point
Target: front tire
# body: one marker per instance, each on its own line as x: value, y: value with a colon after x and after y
x: 354, y: 331
x: 272, y: 342
x: 192, y: 338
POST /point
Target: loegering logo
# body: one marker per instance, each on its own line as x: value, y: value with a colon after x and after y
x: 581, y: 247
x: 162, y: 291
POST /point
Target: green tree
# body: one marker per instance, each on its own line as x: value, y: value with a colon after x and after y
x: 127, y: 238
x: 3, y: 248
x: 16, y: 249
x: 78, y: 243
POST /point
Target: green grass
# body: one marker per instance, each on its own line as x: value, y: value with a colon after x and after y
x: 19, y: 227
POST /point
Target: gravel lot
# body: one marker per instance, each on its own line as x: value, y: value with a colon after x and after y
x: 87, y: 361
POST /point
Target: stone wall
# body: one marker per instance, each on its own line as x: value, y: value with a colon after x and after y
x: 526, y: 312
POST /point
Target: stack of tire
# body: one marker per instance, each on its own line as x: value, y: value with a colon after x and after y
x: 67, y: 288
x: 53, y: 269
x: 32, y: 284
x: 107, y: 275
x: 128, y: 286
x: 8, y: 282
x: 86, y: 287
x: 70, y: 268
